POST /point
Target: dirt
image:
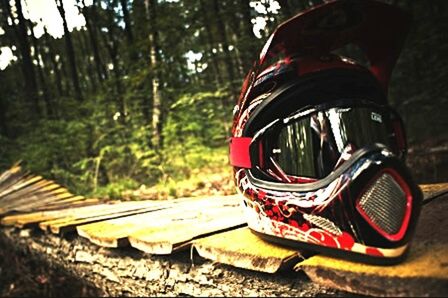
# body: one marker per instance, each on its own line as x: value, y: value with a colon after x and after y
x: 37, y: 264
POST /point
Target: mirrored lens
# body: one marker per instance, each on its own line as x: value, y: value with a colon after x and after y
x: 313, y: 146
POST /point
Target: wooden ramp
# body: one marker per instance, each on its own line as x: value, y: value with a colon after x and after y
x: 167, y: 230
x: 215, y: 228
x: 24, y: 192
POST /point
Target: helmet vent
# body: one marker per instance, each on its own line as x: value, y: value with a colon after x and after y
x: 384, y: 204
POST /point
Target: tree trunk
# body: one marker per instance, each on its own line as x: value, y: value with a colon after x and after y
x: 236, y: 34
x: 27, y: 63
x: 210, y: 43
x: 85, y: 54
x: 70, y: 52
x: 156, y: 124
x: 111, y: 43
x: 127, y: 22
x: 89, y: 14
x: 225, y: 44
x: 43, y: 83
x: 3, y: 110
x: 55, y: 65
x: 249, y: 49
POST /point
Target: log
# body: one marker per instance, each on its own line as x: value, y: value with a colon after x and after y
x: 73, y: 266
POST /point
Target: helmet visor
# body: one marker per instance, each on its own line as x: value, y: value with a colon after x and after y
x: 312, y: 143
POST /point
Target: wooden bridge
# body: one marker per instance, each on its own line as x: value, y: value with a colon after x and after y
x: 118, y: 243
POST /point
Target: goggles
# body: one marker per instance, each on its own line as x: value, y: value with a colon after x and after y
x: 313, y: 142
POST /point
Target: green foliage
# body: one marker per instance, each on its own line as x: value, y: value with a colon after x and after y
x: 114, y: 190
x: 102, y: 145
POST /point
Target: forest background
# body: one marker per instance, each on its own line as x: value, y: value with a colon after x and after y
x: 137, y: 102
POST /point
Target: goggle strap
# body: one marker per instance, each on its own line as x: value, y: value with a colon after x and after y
x: 239, y: 152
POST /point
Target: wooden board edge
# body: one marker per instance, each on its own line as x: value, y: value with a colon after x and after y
x: 376, y: 285
x: 104, y: 242
x: 243, y: 260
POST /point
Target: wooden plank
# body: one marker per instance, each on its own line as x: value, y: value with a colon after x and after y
x: 21, y: 220
x: 31, y: 203
x: 241, y: 248
x: 10, y: 177
x: 79, y: 203
x: 114, y: 233
x: 36, y: 198
x: 63, y: 225
x: 25, y: 182
x: 423, y: 273
x: 14, y: 171
x: 40, y: 187
x: 69, y: 223
x: 174, y: 236
x: 433, y: 190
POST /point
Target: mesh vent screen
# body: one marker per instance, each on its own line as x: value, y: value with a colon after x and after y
x: 385, y: 204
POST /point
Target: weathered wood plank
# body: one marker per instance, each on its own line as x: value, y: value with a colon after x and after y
x: 241, y: 248
x: 113, y: 233
x: 7, y: 184
x: 13, y: 173
x: 25, y: 182
x: 64, y: 205
x: 68, y: 224
x: 28, y: 202
x: 40, y: 187
x: 423, y: 273
x: 24, y: 219
x: 178, y: 235
x: 69, y: 220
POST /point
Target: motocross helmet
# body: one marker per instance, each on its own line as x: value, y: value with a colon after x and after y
x: 318, y: 154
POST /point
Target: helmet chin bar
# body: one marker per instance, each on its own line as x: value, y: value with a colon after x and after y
x: 366, y: 213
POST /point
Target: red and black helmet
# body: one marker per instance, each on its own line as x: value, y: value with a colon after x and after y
x: 317, y: 152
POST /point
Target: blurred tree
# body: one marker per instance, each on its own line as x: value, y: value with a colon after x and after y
x: 20, y: 29
x: 70, y: 51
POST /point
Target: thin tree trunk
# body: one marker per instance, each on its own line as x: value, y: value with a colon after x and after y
x: 88, y: 13
x: 225, y: 43
x: 250, y: 50
x: 210, y: 42
x: 55, y: 65
x: 127, y: 22
x: 236, y: 35
x: 87, y: 63
x: 3, y: 111
x: 70, y: 52
x: 151, y: 10
x: 112, y: 48
x: 27, y: 63
x: 43, y: 82
x: 238, y: 57
x: 211, y: 60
